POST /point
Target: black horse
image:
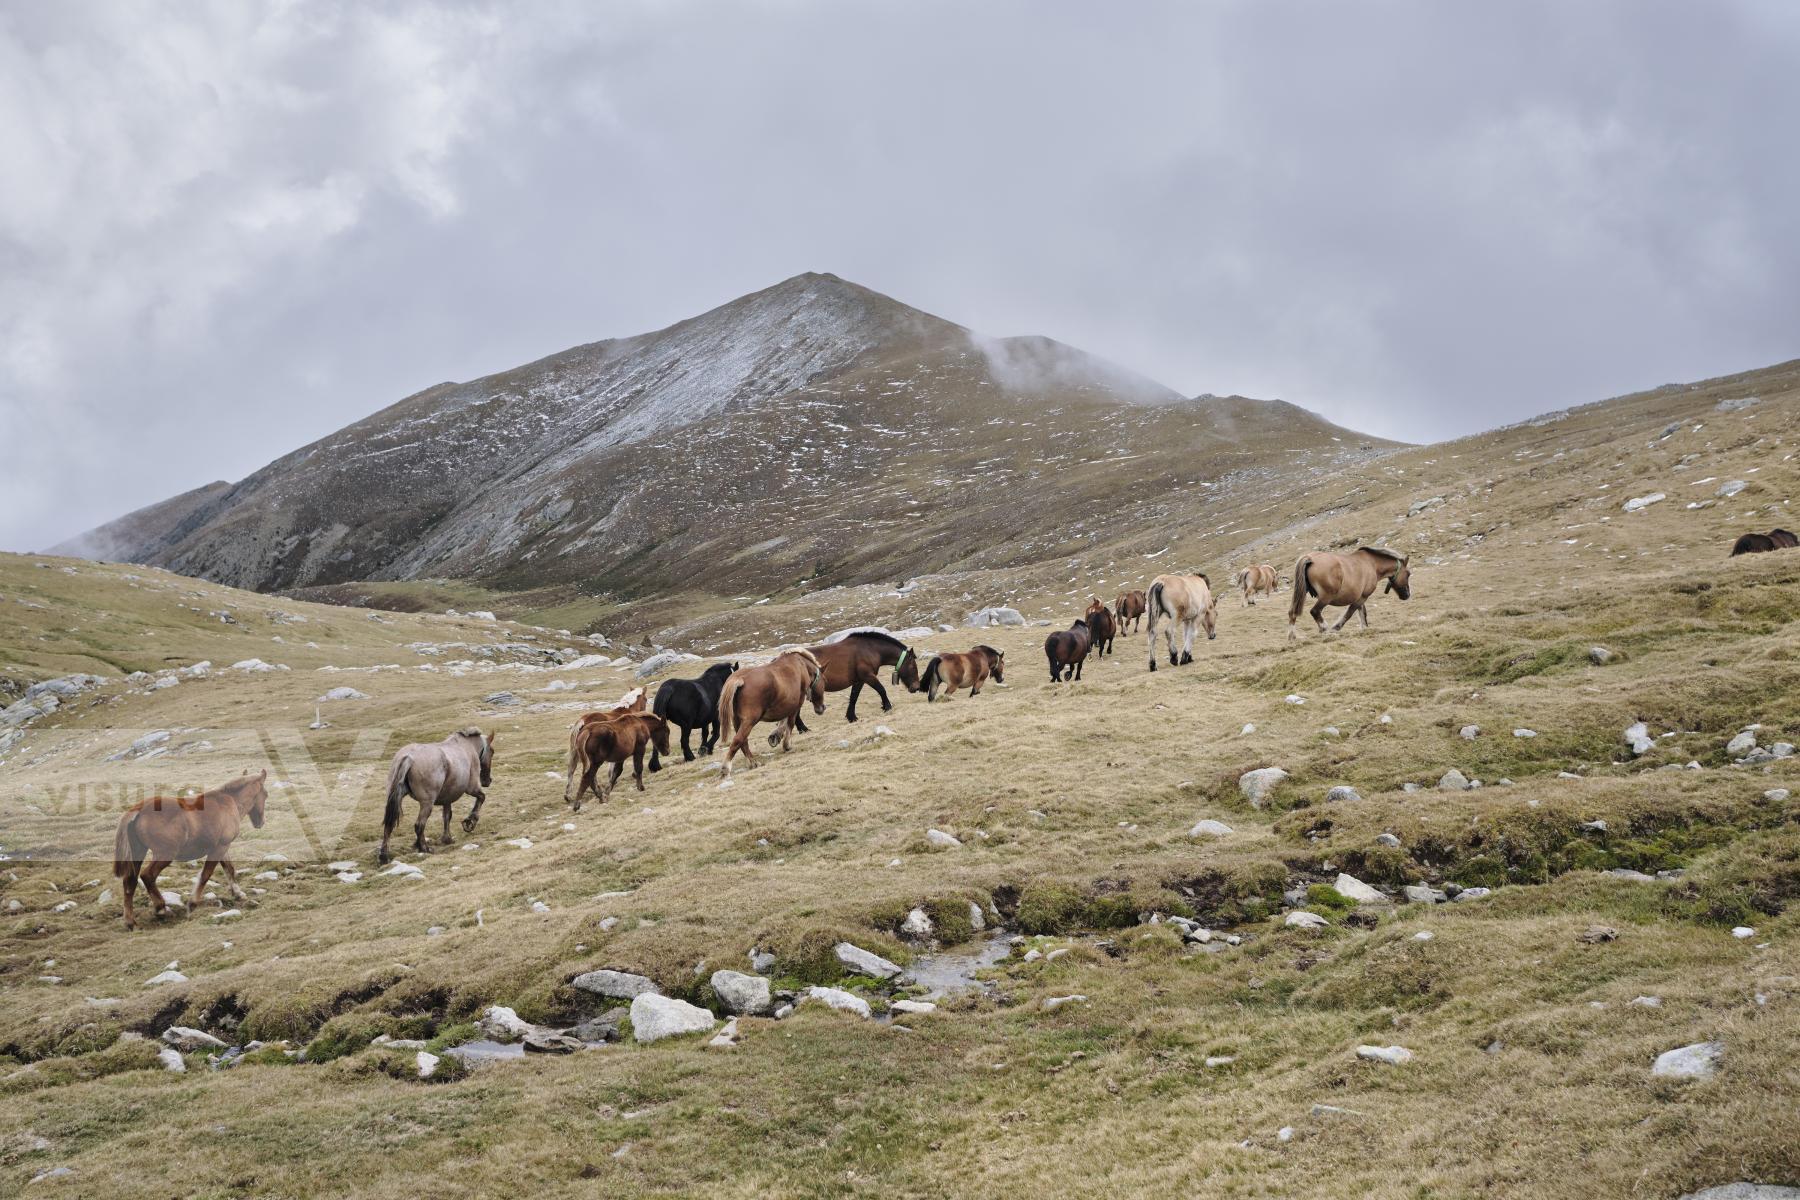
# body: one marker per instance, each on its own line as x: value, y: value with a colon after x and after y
x: 1762, y: 543
x: 692, y: 704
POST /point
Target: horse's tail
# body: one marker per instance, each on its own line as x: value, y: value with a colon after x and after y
x: 128, y: 851
x: 933, y: 677
x: 396, y: 792
x: 728, y: 711
x: 1302, y: 588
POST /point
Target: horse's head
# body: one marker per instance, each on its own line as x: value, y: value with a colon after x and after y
x: 1400, y: 582
x: 486, y: 745
x: 659, y: 734
x: 257, y: 793
x: 1209, y: 616
x: 997, y: 664
x: 906, y: 670
x: 815, y: 691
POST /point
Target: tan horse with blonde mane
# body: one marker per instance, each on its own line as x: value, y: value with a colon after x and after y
x: 1184, y: 600
x: 1256, y: 580
x: 1348, y: 580
x: 775, y: 691
x: 192, y: 827
x: 947, y: 672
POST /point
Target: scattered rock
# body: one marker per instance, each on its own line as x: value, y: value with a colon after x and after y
x: 1746, y: 1191
x: 1599, y: 655
x: 1742, y: 744
x: 864, y: 962
x: 1256, y: 785
x: 839, y: 999
x: 662, y: 661
x: 1524, y: 733
x: 1210, y: 828
x: 1342, y: 793
x: 344, y: 693
x: 1392, y: 1055
x: 1419, y: 893
x: 917, y: 924
x: 1742, y: 932
x: 169, y: 976
x: 1637, y: 736
x: 982, y: 618
x: 938, y: 837
x: 1593, y: 935
x: 1301, y: 919
x: 1472, y: 893
x: 741, y: 993
x: 1470, y: 732
x: 1453, y: 780
x: 188, y: 1040
x: 619, y: 985
x: 1698, y: 1061
x: 1731, y: 487
x: 1352, y: 888
x: 1640, y: 503
x: 172, y: 1060
x: 426, y: 1063
x: 502, y: 1024
x: 1390, y: 840
x: 654, y: 1017
x: 1052, y: 1003
x: 726, y: 1038
x: 913, y: 1006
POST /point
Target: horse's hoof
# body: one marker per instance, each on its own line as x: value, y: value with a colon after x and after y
x: 1153, y: 664
x: 382, y: 857
x: 852, y: 716
x: 468, y: 824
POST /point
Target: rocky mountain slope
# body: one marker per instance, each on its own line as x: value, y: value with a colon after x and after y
x: 815, y: 430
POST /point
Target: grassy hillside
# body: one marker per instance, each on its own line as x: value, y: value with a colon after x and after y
x: 1184, y: 1064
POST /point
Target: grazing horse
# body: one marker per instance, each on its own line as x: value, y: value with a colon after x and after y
x: 1346, y: 579
x: 1256, y: 580
x: 1184, y: 600
x: 202, y: 826
x: 951, y: 671
x: 1129, y: 607
x: 1067, y: 650
x: 613, y: 738
x: 775, y: 691
x: 1101, y: 625
x: 692, y: 704
x: 438, y: 773
x: 1762, y: 543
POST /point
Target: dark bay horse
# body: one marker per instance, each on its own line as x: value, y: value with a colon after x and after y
x: 438, y: 774
x: 855, y: 661
x: 1762, y: 543
x: 1186, y: 601
x: 1067, y: 651
x: 692, y: 704
x: 1348, y: 580
x: 951, y: 671
x: 203, y: 827
x: 1101, y: 625
x: 613, y: 738
x: 1129, y: 607
x: 775, y: 691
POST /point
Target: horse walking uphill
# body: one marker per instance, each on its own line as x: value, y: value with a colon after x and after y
x: 1101, y: 625
x: 692, y: 704
x: 612, y: 738
x: 1762, y: 543
x: 440, y: 774
x: 1067, y: 651
x: 772, y: 692
x: 947, y: 672
x: 1258, y: 580
x: 1129, y: 607
x: 1184, y: 600
x: 855, y: 662
x: 1348, y: 580
x: 165, y: 831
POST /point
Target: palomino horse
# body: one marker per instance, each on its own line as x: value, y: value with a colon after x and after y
x: 1067, y: 650
x: 692, y: 704
x: 855, y: 661
x: 1256, y: 580
x: 1101, y: 625
x: 947, y: 672
x: 775, y: 691
x: 1129, y: 607
x: 1184, y: 600
x: 613, y: 738
x: 202, y: 826
x: 440, y: 774
x: 1346, y: 579
x: 1762, y: 543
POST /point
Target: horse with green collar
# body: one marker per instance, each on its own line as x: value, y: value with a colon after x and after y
x: 856, y: 660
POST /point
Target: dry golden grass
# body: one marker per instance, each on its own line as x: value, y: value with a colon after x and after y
x: 1531, y: 1071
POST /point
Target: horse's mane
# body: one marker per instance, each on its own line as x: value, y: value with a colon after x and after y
x: 989, y: 651
x: 1778, y: 532
x: 1377, y: 550
x: 238, y: 784
x: 806, y: 654
x: 879, y: 636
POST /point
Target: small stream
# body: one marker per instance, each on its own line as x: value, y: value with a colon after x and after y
x: 950, y: 973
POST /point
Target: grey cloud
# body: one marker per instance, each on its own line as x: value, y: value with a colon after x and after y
x: 231, y: 229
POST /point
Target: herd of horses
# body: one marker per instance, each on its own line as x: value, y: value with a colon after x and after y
x: 726, y: 703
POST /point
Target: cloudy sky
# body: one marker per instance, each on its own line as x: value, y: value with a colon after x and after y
x: 229, y: 228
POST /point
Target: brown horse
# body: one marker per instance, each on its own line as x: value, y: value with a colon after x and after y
x: 632, y: 702
x: 855, y: 662
x: 1762, y: 543
x: 1101, y: 625
x: 951, y: 671
x: 1067, y: 651
x: 191, y: 827
x: 1129, y: 607
x: 1258, y: 579
x: 775, y: 691
x: 1346, y: 579
x: 438, y: 774
x: 612, y: 738
x: 1184, y: 600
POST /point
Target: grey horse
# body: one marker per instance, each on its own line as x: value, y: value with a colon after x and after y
x: 438, y: 773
